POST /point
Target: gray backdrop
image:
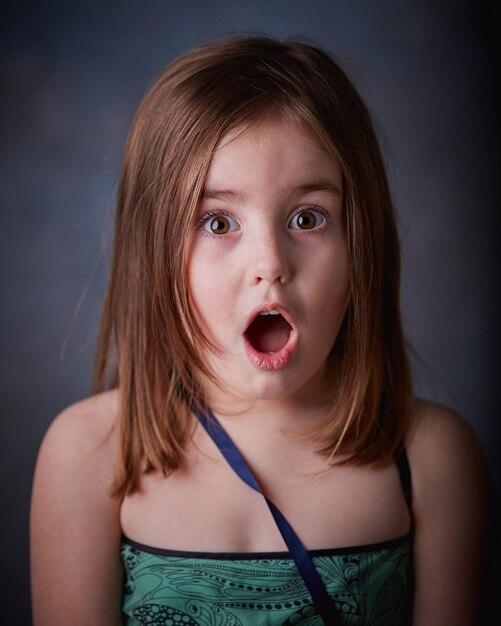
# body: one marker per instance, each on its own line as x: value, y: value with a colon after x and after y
x: 72, y: 75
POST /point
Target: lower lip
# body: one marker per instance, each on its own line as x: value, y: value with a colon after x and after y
x: 275, y: 361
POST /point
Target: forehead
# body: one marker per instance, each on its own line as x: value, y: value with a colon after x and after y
x: 275, y: 153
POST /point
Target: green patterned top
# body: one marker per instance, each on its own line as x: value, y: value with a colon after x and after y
x: 371, y: 585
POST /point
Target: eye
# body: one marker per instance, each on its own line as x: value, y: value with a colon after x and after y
x: 306, y: 219
x: 218, y: 224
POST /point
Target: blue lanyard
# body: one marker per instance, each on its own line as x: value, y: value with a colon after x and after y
x: 324, y: 604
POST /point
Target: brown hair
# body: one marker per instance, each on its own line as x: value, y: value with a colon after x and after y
x: 149, y: 342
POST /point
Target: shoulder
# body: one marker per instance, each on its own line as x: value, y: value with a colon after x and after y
x: 74, y: 522
x: 93, y: 418
x: 84, y: 426
x: 450, y: 496
x: 443, y: 448
x: 76, y: 460
x: 77, y: 454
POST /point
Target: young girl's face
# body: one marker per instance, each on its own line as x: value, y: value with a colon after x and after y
x: 268, y: 262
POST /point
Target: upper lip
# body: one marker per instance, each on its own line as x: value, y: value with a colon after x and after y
x: 273, y: 306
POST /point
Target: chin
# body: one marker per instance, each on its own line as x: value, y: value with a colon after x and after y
x: 249, y: 383
x: 275, y: 385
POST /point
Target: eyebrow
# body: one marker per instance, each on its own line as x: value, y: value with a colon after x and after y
x: 320, y: 185
x: 309, y: 187
x: 222, y: 194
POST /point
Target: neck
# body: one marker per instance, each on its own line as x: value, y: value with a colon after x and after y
x: 296, y: 414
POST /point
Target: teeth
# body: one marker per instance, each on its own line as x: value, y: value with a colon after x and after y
x: 272, y: 312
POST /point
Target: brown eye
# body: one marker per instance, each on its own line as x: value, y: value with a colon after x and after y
x: 306, y: 220
x: 219, y: 224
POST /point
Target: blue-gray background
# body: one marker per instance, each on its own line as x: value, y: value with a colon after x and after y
x: 72, y: 75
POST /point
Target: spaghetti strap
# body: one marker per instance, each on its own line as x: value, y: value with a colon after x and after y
x: 404, y: 472
x: 323, y: 602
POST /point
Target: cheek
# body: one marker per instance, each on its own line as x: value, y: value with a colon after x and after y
x: 333, y: 269
x: 332, y: 289
x: 197, y: 286
x: 200, y: 294
x: 210, y: 295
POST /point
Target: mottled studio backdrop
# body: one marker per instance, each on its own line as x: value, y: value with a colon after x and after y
x: 72, y: 75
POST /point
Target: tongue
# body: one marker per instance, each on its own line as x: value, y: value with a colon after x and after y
x: 268, y: 333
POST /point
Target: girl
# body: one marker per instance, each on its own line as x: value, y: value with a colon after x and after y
x: 251, y: 340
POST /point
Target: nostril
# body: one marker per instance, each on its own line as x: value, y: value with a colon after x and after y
x: 271, y: 272
x: 268, y: 261
x: 281, y: 278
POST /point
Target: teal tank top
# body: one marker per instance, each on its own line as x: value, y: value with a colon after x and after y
x: 370, y: 585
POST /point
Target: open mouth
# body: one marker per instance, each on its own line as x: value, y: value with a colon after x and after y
x: 268, y: 332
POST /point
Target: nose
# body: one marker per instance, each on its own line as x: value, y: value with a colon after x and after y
x: 269, y: 259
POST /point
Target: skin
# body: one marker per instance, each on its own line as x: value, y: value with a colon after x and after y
x: 76, y: 572
x: 76, y: 526
x: 261, y: 184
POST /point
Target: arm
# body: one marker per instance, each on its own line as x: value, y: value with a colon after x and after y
x: 76, y: 572
x: 450, y: 503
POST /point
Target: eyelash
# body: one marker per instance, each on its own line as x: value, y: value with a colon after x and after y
x: 218, y: 213
x: 312, y: 208
x: 205, y: 218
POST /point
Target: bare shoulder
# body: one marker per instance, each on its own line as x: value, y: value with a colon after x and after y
x: 77, y: 454
x: 450, y: 488
x: 442, y: 444
x: 80, y: 446
x: 74, y: 525
x: 439, y: 429
x: 85, y: 426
